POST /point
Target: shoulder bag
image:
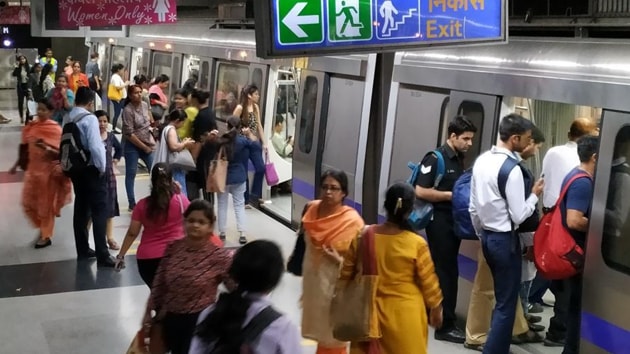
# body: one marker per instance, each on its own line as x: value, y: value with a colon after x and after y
x: 294, y: 265
x: 182, y: 160
x: 217, y: 173
x: 353, y: 308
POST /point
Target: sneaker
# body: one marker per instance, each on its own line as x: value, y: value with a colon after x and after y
x: 242, y: 239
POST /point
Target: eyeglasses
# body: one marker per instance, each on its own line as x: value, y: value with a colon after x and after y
x: 326, y: 187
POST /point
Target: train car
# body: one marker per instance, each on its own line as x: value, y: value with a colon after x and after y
x: 326, y: 104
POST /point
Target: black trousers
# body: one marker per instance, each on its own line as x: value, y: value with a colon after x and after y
x: 444, y: 247
x: 147, y: 269
x: 90, y: 200
x: 179, y: 330
x: 22, y: 94
x: 558, y: 323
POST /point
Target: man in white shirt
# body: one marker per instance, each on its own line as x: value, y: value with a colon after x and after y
x: 495, y: 220
x: 558, y: 162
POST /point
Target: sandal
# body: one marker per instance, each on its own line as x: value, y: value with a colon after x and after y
x: 113, y: 245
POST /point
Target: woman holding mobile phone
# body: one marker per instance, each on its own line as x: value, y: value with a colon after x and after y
x: 46, y: 188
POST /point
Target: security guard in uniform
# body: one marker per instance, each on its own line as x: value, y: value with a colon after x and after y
x: 443, y: 243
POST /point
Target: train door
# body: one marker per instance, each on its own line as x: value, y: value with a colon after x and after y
x: 605, y: 318
x: 309, y: 141
x: 280, y: 130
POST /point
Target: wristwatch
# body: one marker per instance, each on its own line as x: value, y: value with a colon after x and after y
x: 120, y: 257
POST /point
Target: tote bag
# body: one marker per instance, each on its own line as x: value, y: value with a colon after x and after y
x: 353, y: 308
x: 270, y: 172
x: 182, y: 160
x: 217, y: 173
x: 113, y: 93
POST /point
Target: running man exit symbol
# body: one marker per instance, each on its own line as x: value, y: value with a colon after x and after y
x: 299, y: 21
x: 349, y: 20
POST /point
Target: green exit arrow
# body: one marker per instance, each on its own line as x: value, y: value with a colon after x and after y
x: 294, y: 20
x: 300, y: 21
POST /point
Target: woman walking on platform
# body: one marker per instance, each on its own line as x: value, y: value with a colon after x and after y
x: 46, y: 189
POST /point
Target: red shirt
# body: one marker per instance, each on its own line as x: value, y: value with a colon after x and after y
x: 187, y: 279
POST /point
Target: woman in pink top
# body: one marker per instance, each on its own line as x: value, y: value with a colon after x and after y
x: 160, y: 215
x: 159, y: 85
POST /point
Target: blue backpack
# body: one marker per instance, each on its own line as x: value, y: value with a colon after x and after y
x: 463, y: 225
x: 422, y: 212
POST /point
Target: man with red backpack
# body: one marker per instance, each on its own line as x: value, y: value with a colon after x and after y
x: 575, y: 208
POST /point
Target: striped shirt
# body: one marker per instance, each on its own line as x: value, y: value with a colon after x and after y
x: 187, y: 279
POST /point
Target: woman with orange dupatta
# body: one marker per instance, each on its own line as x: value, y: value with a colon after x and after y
x: 46, y: 189
x: 329, y: 228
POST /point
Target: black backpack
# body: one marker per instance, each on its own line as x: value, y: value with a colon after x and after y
x: 251, y: 332
x: 73, y: 156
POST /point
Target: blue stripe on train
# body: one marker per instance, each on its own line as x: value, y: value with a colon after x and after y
x: 595, y: 330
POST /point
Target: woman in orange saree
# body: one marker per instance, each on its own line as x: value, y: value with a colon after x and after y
x: 329, y: 228
x: 46, y: 189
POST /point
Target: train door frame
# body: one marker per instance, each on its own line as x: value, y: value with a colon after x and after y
x: 307, y: 165
x: 603, y: 318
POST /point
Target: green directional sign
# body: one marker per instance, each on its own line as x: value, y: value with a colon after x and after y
x: 349, y: 20
x: 300, y: 21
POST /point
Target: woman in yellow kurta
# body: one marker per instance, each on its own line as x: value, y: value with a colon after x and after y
x: 329, y: 229
x: 46, y: 190
x: 407, y: 283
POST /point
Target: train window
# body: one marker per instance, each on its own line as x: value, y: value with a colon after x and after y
x: 307, y: 116
x: 257, y: 78
x: 144, y: 69
x: 204, y: 77
x: 177, y: 73
x: 231, y: 78
x: 616, y: 235
x: 474, y: 112
x: 162, y: 64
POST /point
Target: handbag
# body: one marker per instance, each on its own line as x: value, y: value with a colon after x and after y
x: 294, y: 265
x: 157, y: 112
x: 217, y: 173
x: 270, y: 172
x: 353, y: 310
x: 182, y: 160
x: 113, y: 93
x: 23, y: 157
x: 137, y: 345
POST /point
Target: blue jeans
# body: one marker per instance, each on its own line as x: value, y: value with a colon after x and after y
x: 259, y: 174
x: 180, y: 177
x: 238, y: 199
x: 132, y: 155
x: 118, y: 107
x: 503, y: 254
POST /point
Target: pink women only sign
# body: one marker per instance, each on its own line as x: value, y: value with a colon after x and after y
x: 74, y: 13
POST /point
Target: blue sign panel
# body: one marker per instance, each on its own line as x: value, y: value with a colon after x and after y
x: 320, y: 26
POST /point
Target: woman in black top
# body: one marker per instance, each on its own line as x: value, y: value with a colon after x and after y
x: 205, y: 122
x: 21, y: 73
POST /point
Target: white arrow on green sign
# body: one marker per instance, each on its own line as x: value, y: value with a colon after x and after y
x: 300, y: 21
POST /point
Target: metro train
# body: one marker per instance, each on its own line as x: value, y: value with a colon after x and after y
x: 337, y: 120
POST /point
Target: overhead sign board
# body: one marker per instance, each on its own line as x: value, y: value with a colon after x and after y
x: 316, y: 27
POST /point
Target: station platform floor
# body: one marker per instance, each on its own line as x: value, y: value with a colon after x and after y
x: 52, y: 304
